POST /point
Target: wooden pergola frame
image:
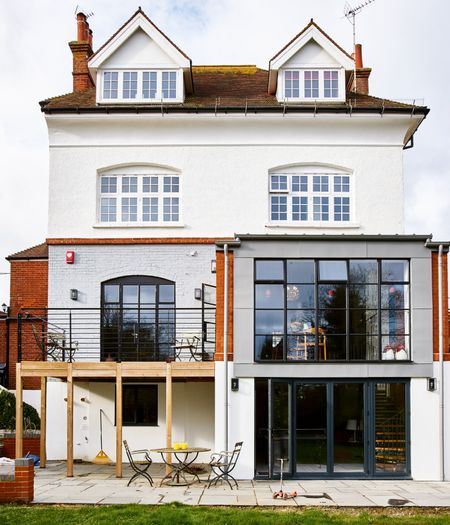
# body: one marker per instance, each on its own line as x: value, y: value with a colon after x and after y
x: 71, y: 372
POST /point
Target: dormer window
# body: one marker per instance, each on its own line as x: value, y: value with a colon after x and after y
x: 142, y: 86
x: 312, y: 84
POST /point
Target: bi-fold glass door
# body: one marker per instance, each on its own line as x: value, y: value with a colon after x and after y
x: 331, y: 428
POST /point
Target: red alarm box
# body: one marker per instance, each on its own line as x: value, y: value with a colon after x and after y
x: 70, y: 257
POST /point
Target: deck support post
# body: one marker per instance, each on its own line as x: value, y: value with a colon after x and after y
x: 119, y: 420
x: 168, y: 414
x: 43, y: 450
x: 19, y: 411
x: 69, y: 421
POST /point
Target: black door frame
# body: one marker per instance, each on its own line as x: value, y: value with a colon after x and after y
x: 369, y: 468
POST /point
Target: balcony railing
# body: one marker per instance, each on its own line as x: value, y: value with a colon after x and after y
x: 116, y: 334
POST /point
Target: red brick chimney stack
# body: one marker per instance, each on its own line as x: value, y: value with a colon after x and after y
x: 362, y: 73
x: 81, y: 51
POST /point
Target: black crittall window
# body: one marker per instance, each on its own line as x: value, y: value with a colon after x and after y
x: 138, y: 318
x: 332, y: 310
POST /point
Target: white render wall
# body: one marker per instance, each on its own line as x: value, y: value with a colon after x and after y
x: 224, y: 163
x: 193, y: 420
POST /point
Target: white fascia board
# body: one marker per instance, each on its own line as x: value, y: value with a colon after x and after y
x: 139, y: 21
x: 312, y: 34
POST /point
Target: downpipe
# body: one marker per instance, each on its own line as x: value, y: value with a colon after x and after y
x: 225, y: 337
x: 441, y: 367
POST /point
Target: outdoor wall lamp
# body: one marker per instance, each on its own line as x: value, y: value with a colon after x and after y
x: 74, y: 294
x: 234, y: 384
x: 198, y: 294
x: 213, y: 266
x: 431, y: 384
x: 4, y: 308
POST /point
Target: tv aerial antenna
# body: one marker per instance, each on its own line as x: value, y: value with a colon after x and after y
x: 350, y: 14
x: 79, y: 9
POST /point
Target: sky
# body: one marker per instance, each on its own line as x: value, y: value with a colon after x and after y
x: 403, y: 42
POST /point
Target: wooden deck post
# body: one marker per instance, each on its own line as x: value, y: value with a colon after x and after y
x: 43, y: 451
x: 69, y: 421
x: 168, y: 413
x: 19, y: 411
x: 119, y: 420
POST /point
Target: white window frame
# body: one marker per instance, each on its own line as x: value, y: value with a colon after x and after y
x: 139, y: 172
x: 321, y: 98
x: 310, y: 172
x: 139, y: 99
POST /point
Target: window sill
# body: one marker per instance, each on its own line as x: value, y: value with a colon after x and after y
x: 139, y: 102
x: 138, y: 225
x: 313, y: 225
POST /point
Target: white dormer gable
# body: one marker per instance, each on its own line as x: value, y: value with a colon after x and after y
x: 139, y: 64
x: 310, y: 68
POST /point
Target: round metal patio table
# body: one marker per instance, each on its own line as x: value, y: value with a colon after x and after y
x: 177, y: 477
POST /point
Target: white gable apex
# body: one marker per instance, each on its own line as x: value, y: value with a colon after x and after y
x: 311, y: 44
x: 139, y: 41
x: 139, y: 51
x: 311, y: 55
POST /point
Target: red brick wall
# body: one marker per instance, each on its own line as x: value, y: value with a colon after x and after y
x: 434, y: 275
x: 220, y: 274
x: 31, y: 444
x: 21, y: 488
x: 28, y: 289
x: 2, y: 341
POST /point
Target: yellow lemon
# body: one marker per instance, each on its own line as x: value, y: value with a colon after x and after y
x: 184, y: 446
x: 176, y: 446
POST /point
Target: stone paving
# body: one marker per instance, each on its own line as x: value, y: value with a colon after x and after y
x: 94, y: 484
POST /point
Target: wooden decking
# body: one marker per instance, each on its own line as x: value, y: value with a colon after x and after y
x: 85, y: 370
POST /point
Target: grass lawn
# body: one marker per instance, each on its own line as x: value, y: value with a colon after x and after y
x: 183, y: 515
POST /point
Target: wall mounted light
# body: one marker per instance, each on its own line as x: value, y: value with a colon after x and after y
x: 234, y: 384
x: 431, y: 384
x: 5, y: 308
x: 198, y: 294
x: 74, y: 294
x: 213, y: 266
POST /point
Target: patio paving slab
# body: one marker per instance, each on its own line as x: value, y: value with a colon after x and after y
x: 94, y: 484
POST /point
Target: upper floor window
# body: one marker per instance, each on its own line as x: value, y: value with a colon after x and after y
x: 141, y: 86
x: 332, y: 310
x: 139, y: 199
x: 304, y: 197
x: 312, y: 84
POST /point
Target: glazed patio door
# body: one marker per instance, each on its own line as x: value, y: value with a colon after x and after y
x: 138, y: 319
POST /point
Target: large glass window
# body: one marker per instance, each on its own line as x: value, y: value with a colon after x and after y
x: 138, y: 319
x: 310, y: 198
x: 332, y: 310
x: 139, y: 199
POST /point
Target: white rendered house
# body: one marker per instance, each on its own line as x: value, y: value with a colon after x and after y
x: 261, y: 213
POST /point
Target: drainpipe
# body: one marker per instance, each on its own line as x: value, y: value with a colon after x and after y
x: 225, y: 336
x: 441, y: 365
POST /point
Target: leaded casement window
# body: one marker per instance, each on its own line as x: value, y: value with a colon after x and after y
x: 332, y: 310
x: 146, y: 200
x: 310, y: 198
x: 141, y: 86
x: 312, y: 84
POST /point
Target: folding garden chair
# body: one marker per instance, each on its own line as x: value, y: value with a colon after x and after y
x: 222, y: 464
x: 140, y: 467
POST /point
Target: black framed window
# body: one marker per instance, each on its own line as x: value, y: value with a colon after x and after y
x: 332, y: 310
x: 138, y: 318
x: 140, y: 405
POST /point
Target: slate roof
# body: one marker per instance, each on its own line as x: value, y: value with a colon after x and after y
x: 35, y: 252
x: 226, y: 88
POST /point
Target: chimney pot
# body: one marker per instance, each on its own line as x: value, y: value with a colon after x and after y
x: 358, y: 56
x: 82, y: 28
